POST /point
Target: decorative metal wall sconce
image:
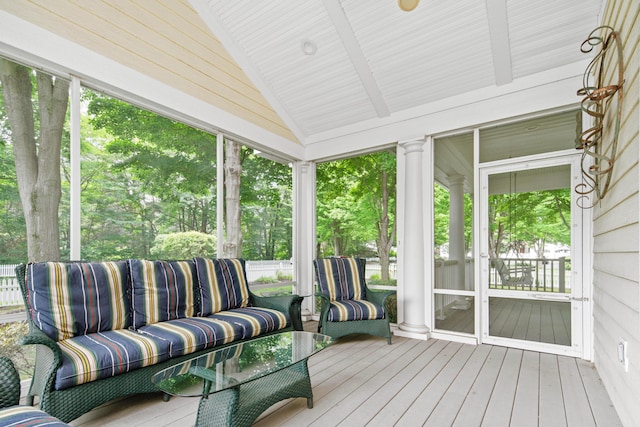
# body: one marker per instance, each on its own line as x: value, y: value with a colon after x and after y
x: 598, y: 102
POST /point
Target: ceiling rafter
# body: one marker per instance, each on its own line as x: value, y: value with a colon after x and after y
x: 348, y: 38
x: 500, y: 44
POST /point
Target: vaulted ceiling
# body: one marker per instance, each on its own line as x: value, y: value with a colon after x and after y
x: 332, y: 64
x: 304, y: 72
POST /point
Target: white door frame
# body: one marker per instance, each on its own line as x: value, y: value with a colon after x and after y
x: 580, y: 297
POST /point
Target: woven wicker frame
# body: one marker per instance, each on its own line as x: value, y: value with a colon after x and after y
x: 70, y: 403
x: 9, y: 383
x: 242, y: 405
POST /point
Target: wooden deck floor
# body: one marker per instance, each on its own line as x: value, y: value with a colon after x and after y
x: 361, y: 380
x: 531, y: 320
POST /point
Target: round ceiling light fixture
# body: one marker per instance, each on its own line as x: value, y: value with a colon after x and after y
x: 408, y: 5
x: 309, y: 47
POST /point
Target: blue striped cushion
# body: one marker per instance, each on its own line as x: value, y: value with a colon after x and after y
x: 222, y: 284
x: 161, y: 290
x: 254, y: 321
x: 91, y: 357
x: 341, y: 278
x: 188, y: 335
x: 27, y: 416
x: 70, y: 299
x: 342, y: 311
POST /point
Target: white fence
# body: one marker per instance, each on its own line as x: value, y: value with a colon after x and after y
x: 9, y: 289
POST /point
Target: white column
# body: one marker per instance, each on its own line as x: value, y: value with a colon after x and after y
x: 456, y: 226
x: 219, y: 195
x: 304, y: 232
x: 75, y: 191
x: 414, y: 283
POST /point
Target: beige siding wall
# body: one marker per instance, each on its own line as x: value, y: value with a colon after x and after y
x: 616, y: 291
x: 164, y: 39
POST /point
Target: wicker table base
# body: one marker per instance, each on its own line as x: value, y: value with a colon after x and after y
x: 243, y: 404
x: 238, y: 383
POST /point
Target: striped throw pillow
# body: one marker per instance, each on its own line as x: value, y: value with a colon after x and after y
x: 222, y: 284
x: 341, y: 278
x: 78, y: 298
x: 161, y: 290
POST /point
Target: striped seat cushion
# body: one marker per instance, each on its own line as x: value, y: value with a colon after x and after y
x: 91, y: 357
x: 342, y: 311
x: 23, y: 416
x: 341, y: 278
x: 222, y: 284
x: 188, y: 335
x: 254, y: 321
x: 71, y: 299
x: 161, y: 290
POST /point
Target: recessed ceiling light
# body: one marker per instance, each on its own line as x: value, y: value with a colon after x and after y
x: 309, y: 47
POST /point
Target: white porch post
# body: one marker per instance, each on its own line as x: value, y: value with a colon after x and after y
x: 219, y: 194
x: 456, y: 227
x: 75, y: 243
x: 414, y: 283
x: 304, y: 232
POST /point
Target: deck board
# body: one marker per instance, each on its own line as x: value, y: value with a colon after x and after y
x: 362, y: 381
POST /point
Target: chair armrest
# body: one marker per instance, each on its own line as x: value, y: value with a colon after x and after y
x: 325, y: 303
x: 379, y: 297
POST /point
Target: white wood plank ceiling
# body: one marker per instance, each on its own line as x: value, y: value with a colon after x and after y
x: 374, y: 60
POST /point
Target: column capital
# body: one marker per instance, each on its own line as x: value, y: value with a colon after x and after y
x: 455, y: 179
x: 413, y: 144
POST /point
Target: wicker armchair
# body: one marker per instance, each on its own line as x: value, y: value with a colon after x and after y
x: 9, y: 383
x: 347, y: 305
x: 12, y: 414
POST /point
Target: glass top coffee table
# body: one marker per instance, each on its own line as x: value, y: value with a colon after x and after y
x: 237, y: 383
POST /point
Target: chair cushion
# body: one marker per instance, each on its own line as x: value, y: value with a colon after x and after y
x: 342, y: 311
x: 222, y: 284
x: 76, y: 298
x: 161, y: 290
x: 188, y: 335
x: 254, y: 321
x: 341, y: 278
x: 91, y: 357
x: 22, y: 416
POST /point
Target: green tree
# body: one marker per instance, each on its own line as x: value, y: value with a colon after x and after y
x: 266, y: 192
x: 356, y: 205
x: 173, y: 162
x: 36, y: 135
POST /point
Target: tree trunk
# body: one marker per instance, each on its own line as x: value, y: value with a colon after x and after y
x: 37, y: 161
x: 385, y: 240
x: 232, y: 170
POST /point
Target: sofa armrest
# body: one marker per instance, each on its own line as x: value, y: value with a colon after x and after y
x: 289, y: 304
x: 9, y: 383
x: 48, y: 360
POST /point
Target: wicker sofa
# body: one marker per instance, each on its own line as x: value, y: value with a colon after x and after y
x: 102, y: 329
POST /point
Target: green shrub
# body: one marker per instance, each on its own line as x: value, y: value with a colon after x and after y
x: 282, y: 277
x: 184, y: 245
x: 266, y: 279
x: 22, y: 356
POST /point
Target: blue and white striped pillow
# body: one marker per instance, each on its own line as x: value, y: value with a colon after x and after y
x: 341, y: 278
x: 78, y: 298
x: 161, y: 290
x: 222, y: 284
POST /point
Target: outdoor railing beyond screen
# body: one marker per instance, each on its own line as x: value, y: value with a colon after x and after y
x: 549, y: 274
